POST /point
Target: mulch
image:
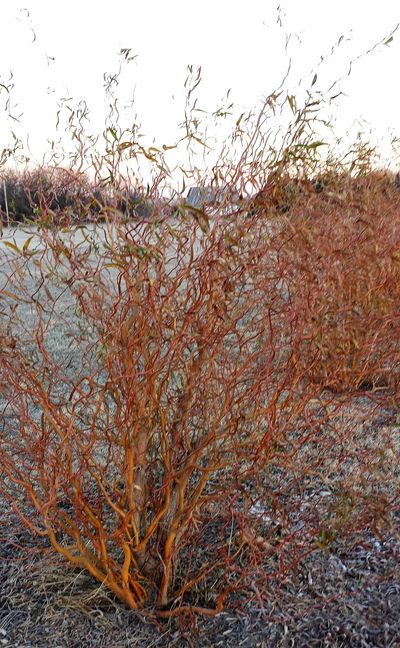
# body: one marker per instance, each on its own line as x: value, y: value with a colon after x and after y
x: 348, y: 596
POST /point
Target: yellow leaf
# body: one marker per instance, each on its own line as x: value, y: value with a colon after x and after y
x: 27, y: 243
x: 12, y: 246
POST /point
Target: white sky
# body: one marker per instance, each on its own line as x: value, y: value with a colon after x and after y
x: 239, y: 45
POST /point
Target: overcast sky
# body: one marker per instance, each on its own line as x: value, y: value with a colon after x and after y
x: 59, y: 50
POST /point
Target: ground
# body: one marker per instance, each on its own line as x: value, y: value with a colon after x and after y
x: 347, y: 597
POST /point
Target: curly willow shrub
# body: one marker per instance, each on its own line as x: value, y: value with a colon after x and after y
x: 170, y: 384
x: 164, y: 420
x: 149, y: 371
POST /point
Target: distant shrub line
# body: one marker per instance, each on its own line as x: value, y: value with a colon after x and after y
x: 61, y: 197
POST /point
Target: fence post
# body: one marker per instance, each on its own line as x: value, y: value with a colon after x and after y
x: 6, y: 203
